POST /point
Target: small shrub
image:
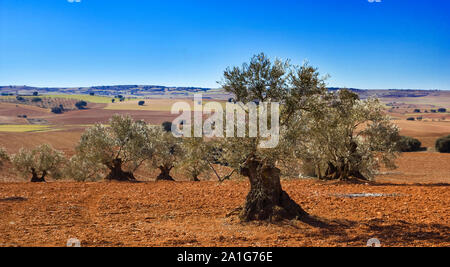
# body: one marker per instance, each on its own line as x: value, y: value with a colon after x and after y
x: 141, y: 103
x: 35, y: 93
x: 408, y: 144
x: 36, y: 99
x: 411, y: 119
x: 442, y: 110
x: 443, y: 144
x: 417, y: 111
x: 81, y: 104
x: 57, y: 110
x: 19, y: 98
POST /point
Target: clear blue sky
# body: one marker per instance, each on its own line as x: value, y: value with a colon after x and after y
x: 392, y: 44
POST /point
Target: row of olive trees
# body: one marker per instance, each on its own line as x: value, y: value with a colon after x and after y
x: 114, y: 153
x: 338, y: 134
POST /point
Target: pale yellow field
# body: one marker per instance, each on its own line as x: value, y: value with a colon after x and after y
x: 87, y: 98
x: 439, y: 101
x: 24, y: 128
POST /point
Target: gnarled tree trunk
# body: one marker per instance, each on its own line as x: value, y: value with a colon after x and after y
x: 117, y: 174
x: 36, y: 179
x: 165, y: 174
x: 346, y: 167
x: 343, y: 173
x: 266, y: 199
x: 195, y: 179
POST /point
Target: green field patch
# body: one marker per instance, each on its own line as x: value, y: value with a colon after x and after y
x: 25, y: 128
x: 87, y: 98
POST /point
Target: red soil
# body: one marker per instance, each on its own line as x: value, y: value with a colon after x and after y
x: 92, y: 116
x: 192, y: 214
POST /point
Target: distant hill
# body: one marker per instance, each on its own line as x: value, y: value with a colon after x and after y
x: 393, y: 93
x: 110, y: 90
x: 165, y: 91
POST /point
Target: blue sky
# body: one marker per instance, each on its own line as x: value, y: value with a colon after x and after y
x: 392, y: 44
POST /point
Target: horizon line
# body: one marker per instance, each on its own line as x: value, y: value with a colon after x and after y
x: 213, y: 88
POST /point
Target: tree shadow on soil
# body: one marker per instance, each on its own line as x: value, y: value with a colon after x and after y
x: 415, y: 184
x: 398, y: 233
x: 13, y: 199
x: 375, y: 183
x: 401, y: 233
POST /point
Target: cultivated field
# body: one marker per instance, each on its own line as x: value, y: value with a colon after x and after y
x: 411, y: 210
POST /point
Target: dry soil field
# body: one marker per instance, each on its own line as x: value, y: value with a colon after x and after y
x: 410, y: 205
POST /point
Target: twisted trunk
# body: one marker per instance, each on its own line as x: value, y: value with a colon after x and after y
x: 343, y: 173
x: 266, y: 199
x: 117, y: 174
x: 346, y: 167
x: 35, y: 178
x: 165, y: 174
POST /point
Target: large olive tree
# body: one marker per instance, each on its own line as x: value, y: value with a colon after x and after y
x: 167, y: 151
x: 121, y: 148
x: 295, y: 88
x: 346, y: 137
x: 39, y: 163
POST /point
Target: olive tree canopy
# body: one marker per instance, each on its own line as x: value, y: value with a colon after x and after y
x: 124, y: 144
x: 39, y: 163
x: 196, y: 156
x: 346, y: 137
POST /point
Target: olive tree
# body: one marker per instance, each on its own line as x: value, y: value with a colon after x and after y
x: 39, y: 163
x: 294, y: 88
x: 167, y: 150
x: 82, y: 170
x: 345, y: 137
x: 120, y: 148
x: 443, y: 144
x: 3, y: 156
x: 196, y: 155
